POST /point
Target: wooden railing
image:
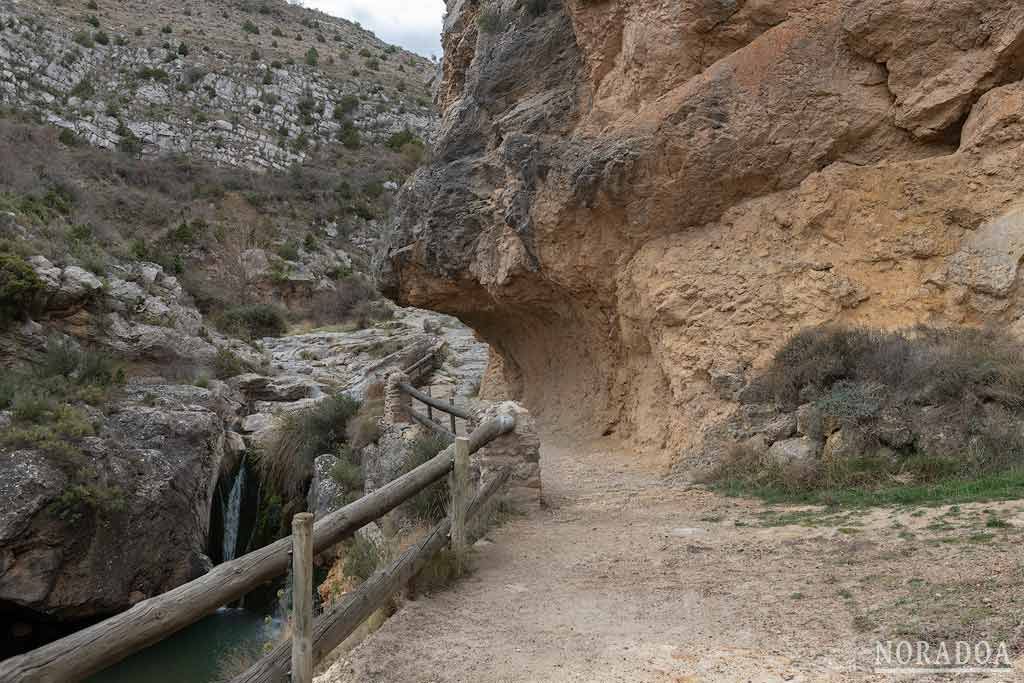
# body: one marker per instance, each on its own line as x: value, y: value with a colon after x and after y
x: 97, y: 647
x: 432, y: 404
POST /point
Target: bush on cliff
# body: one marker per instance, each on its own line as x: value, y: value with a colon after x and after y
x: 252, y: 321
x: 919, y: 410
x: 19, y: 288
x: 287, y: 464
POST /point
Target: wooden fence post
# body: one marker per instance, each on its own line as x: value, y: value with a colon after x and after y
x: 451, y: 401
x: 302, y: 599
x: 460, y: 499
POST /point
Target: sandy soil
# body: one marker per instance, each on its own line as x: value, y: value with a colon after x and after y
x: 628, y: 577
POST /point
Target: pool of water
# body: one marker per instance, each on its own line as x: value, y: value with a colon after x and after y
x: 198, y: 653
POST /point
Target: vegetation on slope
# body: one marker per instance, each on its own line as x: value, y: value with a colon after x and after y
x: 89, y: 207
x: 905, y: 417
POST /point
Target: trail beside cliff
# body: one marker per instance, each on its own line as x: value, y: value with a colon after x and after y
x: 626, y: 578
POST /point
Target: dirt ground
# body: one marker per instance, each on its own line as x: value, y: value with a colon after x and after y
x: 625, y: 576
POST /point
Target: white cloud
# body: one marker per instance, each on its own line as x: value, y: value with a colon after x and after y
x: 412, y: 24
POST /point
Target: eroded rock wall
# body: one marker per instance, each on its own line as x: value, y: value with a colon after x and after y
x: 636, y: 203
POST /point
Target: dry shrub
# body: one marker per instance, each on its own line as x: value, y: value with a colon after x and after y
x: 287, y: 464
x: 365, y: 426
x: 923, y: 405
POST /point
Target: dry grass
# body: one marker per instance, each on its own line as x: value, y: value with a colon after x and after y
x: 288, y: 463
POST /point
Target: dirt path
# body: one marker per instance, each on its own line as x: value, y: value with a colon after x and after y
x: 628, y: 578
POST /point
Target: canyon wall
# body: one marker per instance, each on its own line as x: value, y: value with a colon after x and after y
x: 636, y: 203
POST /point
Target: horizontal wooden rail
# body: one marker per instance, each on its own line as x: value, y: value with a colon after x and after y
x: 97, y: 647
x: 433, y: 402
x: 431, y: 424
x: 422, y: 361
x: 331, y: 629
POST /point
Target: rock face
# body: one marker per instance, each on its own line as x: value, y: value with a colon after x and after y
x: 158, y: 456
x: 636, y: 203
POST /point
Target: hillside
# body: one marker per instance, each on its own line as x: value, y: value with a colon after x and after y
x: 185, y: 191
x: 256, y: 84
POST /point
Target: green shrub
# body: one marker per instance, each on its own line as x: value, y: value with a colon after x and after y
x: 167, y: 29
x: 287, y: 463
x: 399, y: 140
x: 67, y: 137
x: 84, y: 89
x: 312, y: 57
x: 148, y: 73
x: 348, y: 475
x: 373, y: 189
x: 362, y: 558
x: 289, y: 251
x: 364, y: 427
x: 431, y: 504
x: 536, y: 8
x: 252, y: 321
x: 101, y: 38
x: 346, y: 105
x: 229, y: 364
x: 93, y: 21
x: 19, y: 288
x: 103, y: 499
x: 84, y: 38
x: 249, y: 27
x: 130, y: 144
x: 349, y: 136
x: 490, y: 20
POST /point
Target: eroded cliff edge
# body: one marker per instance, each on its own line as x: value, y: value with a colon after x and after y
x: 637, y: 202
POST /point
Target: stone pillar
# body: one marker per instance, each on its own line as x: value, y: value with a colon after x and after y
x: 519, y: 449
x: 397, y: 403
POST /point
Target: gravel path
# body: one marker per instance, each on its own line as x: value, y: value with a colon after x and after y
x: 625, y: 577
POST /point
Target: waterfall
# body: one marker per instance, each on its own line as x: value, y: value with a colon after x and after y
x: 232, y: 512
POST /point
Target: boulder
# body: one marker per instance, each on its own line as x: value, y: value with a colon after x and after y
x: 47, y: 272
x: 281, y: 388
x: 153, y: 467
x: 77, y: 286
x: 796, y: 451
x: 325, y: 494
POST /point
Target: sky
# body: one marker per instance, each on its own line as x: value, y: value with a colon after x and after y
x: 412, y: 24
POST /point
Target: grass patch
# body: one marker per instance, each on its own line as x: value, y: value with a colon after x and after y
x: 362, y: 558
x: 431, y: 504
x: 46, y: 404
x: 1007, y: 485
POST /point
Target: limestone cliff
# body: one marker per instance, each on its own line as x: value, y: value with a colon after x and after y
x: 636, y: 202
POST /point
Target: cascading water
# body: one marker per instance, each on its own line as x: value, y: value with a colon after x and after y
x: 232, y: 510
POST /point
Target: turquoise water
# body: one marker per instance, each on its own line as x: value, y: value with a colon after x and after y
x: 195, y: 654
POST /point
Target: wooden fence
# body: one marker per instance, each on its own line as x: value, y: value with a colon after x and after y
x: 97, y: 647
x: 432, y: 404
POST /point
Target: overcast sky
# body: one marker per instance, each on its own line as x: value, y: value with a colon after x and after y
x: 413, y: 24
